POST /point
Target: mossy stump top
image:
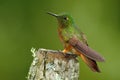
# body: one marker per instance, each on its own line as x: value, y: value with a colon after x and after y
x: 53, y: 65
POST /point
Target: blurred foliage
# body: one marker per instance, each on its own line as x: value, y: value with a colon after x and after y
x: 24, y: 24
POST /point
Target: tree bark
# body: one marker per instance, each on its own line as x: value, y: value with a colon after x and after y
x: 53, y: 65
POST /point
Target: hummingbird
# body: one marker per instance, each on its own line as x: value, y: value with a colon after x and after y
x: 74, y: 40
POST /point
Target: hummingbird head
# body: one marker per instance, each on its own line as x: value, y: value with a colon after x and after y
x: 64, y: 20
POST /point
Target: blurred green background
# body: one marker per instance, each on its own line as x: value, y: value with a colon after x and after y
x: 24, y: 24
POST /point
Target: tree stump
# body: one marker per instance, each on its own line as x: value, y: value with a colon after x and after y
x: 53, y: 65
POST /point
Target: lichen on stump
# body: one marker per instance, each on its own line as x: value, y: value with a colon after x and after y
x: 53, y: 65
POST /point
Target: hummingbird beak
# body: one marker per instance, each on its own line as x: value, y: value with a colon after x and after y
x: 50, y: 13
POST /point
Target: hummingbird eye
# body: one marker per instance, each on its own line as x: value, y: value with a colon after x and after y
x: 65, y: 18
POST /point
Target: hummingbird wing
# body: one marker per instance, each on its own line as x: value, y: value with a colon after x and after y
x: 90, y: 62
x: 81, y: 47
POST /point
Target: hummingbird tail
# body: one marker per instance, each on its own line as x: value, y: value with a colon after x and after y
x: 91, y: 63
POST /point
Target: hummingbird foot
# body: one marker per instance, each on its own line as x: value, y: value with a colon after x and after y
x: 64, y: 51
